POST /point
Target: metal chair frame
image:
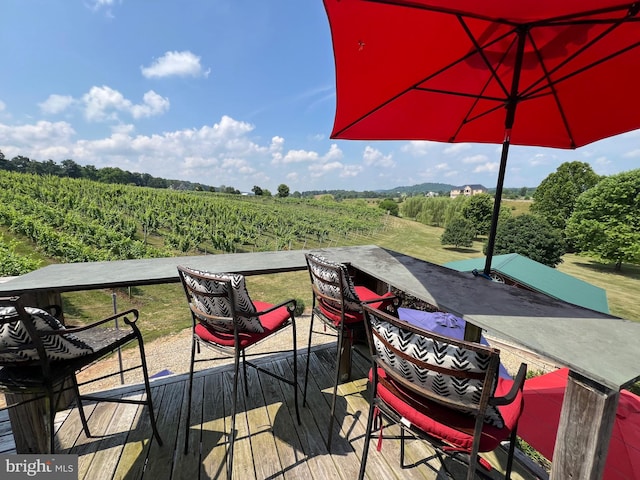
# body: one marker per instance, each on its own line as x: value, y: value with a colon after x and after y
x: 235, y: 351
x: 342, y: 331
x: 420, y: 394
x: 44, y: 378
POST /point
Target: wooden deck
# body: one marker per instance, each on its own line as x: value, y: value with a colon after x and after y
x: 270, y: 444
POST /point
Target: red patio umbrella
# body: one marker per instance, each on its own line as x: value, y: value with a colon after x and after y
x: 457, y: 70
x: 538, y: 424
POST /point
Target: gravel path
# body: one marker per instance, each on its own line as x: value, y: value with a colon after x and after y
x: 171, y: 355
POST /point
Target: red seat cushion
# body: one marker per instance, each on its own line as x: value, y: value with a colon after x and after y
x: 271, y: 322
x: 453, y: 428
x: 351, y: 316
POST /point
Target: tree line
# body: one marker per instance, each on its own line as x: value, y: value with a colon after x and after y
x: 574, y: 210
x: 70, y: 169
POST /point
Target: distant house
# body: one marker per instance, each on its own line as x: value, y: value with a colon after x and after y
x: 467, y: 190
x: 514, y: 269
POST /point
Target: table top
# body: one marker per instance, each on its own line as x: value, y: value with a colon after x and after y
x: 598, y: 346
x: 595, y: 345
x: 70, y: 277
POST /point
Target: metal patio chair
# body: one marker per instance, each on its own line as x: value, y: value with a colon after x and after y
x: 228, y: 321
x: 337, y: 302
x: 440, y: 389
x: 40, y: 357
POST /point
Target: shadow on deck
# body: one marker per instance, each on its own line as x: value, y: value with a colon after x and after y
x: 270, y: 444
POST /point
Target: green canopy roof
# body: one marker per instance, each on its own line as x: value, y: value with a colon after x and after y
x: 540, y: 278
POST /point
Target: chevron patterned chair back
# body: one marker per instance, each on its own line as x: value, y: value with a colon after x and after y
x: 337, y: 302
x: 39, y: 358
x: 444, y: 390
x: 227, y: 320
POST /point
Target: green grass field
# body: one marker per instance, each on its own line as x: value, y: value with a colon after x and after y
x: 164, y: 311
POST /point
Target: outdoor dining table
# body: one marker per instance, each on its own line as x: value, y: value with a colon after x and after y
x: 599, y: 349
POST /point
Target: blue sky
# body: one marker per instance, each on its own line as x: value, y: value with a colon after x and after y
x: 223, y: 92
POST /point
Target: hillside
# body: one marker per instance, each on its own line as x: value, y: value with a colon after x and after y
x: 75, y: 220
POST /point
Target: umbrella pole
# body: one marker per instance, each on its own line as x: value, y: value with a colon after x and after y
x: 496, y: 203
x: 512, y: 103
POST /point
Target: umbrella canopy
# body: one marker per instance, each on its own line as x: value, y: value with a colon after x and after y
x: 538, y: 425
x: 457, y: 71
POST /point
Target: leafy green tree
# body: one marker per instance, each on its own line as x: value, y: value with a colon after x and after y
x: 256, y: 190
x: 389, y: 205
x: 71, y: 169
x: 459, y: 233
x: 556, y: 196
x: 266, y: 192
x: 531, y: 236
x: 283, y: 190
x: 606, y: 219
x: 478, y: 209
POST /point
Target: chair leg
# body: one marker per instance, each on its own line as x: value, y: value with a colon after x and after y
x: 232, y: 434
x: 512, y: 446
x: 335, y: 389
x: 147, y: 387
x: 475, y: 447
x: 402, y: 447
x: 244, y: 373
x: 51, y: 412
x: 306, y: 370
x: 189, y: 394
x: 295, y: 372
x: 83, y: 417
x: 367, y: 440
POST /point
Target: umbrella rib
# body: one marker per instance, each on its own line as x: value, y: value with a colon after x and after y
x: 570, y: 59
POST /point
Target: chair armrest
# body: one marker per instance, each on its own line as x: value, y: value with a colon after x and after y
x: 132, y: 312
x: 386, y: 298
x: 291, y: 306
x: 518, y: 384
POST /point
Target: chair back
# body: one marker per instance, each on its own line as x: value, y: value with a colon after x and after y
x: 220, y: 301
x: 333, y: 289
x: 33, y: 337
x: 456, y: 374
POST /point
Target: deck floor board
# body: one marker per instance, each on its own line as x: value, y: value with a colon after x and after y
x: 270, y: 443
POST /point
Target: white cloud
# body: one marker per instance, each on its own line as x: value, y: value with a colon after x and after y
x: 104, y: 103
x: 475, y: 159
x: 418, y: 148
x: 351, y: 171
x: 489, y: 167
x: 334, y: 153
x: 375, y: 158
x: 40, y: 134
x: 277, y: 144
x: 2, y: 106
x: 56, y: 104
x: 304, y: 156
x: 181, y: 64
x: 456, y: 148
x: 322, y: 169
x: 153, y: 104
